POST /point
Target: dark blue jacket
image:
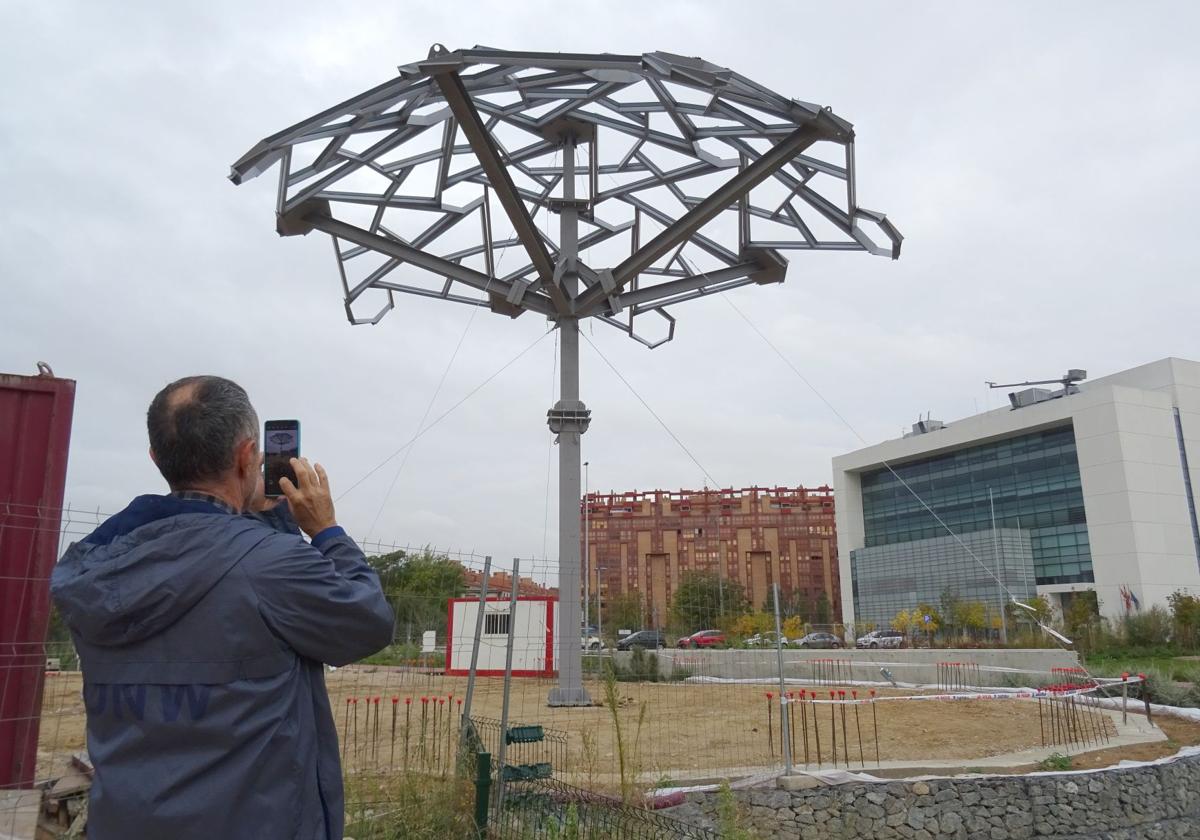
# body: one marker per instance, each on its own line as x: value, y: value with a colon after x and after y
x: 202, y: 636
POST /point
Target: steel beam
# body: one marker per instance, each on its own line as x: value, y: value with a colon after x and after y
x: 690, y: 222
x: 477, y: 134
x: 706, y: 210
x: 422, y: 259
x: 649, y: 294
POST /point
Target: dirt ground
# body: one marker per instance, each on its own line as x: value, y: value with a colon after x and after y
x: 684, y: 727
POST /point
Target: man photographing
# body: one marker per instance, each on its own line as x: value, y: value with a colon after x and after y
x: 202, y: 619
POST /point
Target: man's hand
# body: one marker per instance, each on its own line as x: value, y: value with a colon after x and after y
x: 259, y: 503
x: 311, y: 502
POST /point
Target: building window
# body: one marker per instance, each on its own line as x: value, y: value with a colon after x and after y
x: 1032, y: 481
x: 495, y: 624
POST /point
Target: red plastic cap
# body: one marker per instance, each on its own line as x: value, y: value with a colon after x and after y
x: 407, y: 701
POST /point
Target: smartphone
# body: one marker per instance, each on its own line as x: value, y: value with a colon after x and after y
x: 281, y: 443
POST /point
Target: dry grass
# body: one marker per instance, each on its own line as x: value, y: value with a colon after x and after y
x: 688, y: 729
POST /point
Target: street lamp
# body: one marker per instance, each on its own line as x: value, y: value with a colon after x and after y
x: 599, y: 601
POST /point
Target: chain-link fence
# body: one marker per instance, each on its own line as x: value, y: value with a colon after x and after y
x: 666, y: 715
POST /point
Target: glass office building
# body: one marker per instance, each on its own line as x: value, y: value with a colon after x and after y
x: 1031, y: 480
x: 901, y: 576
x: 1098, y: 477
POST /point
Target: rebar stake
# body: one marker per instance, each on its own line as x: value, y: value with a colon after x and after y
x: 770, y: 725
x: 392, y: 757
x: 816, y: 727
x: 858, y: 728
x: 875, y: 721
x: 833, y: 724
x: 845, y: 736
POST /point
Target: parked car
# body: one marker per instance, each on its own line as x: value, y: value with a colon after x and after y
x: 703, y: 639
x: 765, y: 640
x: 647, y: 639
x: 590, y: 643
x: 881, y: 639
x: 818, y: 640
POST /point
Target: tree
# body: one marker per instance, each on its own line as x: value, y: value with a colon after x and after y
x: 903, y: 621
x: 1185, y: 613
x: 419, y: 587
x: 1041, y: 613
x: 822, y: 611
x: 1083, y: 613
x: 971, y: 615
x: 793, y: 602
x: 703, y: 600
x: 949, y: 602
x: 793, y: 627
x: 622, y: 612
x: 752, y: 623
x: 935, y: 619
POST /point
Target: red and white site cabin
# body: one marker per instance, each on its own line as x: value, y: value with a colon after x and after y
x: 534, y: 644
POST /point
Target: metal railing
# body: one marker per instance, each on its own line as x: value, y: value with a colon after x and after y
x: 554, y: 810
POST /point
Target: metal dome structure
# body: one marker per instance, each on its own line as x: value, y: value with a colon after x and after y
x: 672, y: 178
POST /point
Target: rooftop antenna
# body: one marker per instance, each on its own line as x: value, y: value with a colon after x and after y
x: 1067, y: 380
x: 708, y: 178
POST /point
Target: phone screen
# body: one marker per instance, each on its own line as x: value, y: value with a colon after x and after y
x: 281, y: 443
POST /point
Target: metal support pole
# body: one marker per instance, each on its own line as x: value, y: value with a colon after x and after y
x: 483, y: 785
x: 483, y: 588
x: 783, y: 700
x: 569, y: 420
x: 599, y: 611
x: 508, y: 656
x: 587, y: 558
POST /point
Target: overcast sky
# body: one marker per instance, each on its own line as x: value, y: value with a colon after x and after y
x: 1040, y: 159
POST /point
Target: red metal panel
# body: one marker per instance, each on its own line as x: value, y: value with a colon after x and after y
x: 35, y: 433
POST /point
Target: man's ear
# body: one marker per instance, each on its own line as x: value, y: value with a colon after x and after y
x: 247, y: 457
x: 153, y: 460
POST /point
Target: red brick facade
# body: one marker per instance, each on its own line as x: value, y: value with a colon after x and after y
x: 645, y: 542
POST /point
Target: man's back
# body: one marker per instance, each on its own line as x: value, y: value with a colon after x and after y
x: 202, y: 635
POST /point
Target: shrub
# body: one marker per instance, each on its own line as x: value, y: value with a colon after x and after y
x: 1055, y: 761
x: 1147, y: 629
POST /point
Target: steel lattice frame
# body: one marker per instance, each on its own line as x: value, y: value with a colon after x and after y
x: 463, y: 97
x: 695, y: 180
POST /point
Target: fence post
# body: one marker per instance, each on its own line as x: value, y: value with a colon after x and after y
x: 483, y: 588
x: 508, y: 657
x: 783, y: 701
x: 483, y: 786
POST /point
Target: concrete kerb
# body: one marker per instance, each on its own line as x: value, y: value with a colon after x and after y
x: 914, y: 666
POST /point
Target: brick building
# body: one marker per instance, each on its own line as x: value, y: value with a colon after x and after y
x: 645, y: 542
x: 500, y: 585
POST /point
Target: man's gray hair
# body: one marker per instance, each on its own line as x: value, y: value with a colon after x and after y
x: 195, y: 424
